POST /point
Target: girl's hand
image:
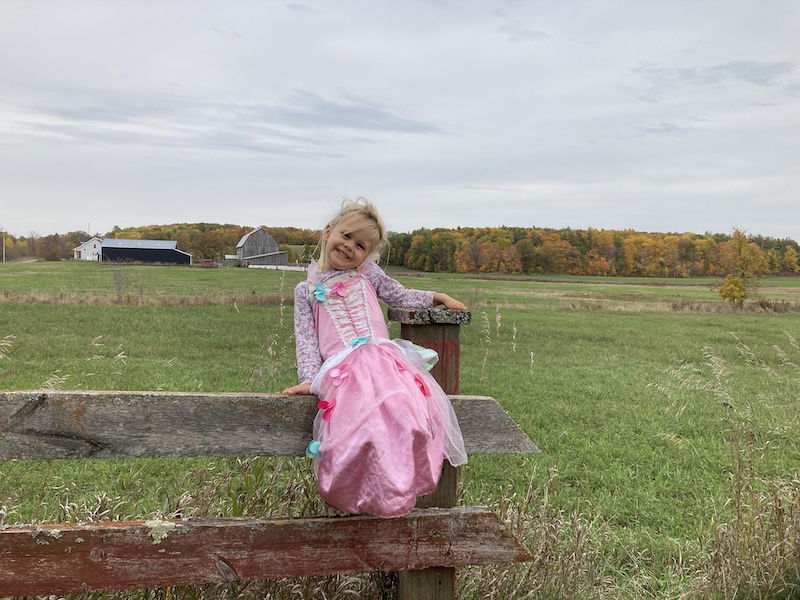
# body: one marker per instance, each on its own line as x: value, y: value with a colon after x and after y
x: 301, y: 389
x: 448, y: 301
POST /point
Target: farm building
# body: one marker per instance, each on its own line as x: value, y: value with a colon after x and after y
x: 260, y: 248
x: 88, y: 250
x: 155, y: 251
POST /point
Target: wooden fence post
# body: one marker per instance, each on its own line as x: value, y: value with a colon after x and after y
x: 437, y: 329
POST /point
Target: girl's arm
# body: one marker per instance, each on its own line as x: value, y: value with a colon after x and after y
x: 448, y: 301
x: 309, y: 360
x: 394, y: 293
x: 301, y: 389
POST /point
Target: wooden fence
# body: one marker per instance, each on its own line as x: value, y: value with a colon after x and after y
x: 425, y: 546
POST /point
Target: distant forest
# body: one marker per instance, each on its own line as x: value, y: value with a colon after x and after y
x: 477, y: 249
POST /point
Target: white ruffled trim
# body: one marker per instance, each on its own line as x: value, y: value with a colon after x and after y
x: 417, y: 355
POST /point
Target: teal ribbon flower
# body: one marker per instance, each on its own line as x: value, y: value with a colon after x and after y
x: 313, y: 449
x: 358, y: 341
x: 320, y: 292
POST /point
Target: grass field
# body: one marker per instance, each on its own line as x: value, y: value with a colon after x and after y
x: 654, y: 422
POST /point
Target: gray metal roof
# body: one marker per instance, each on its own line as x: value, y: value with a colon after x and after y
x: 149, y: 244
x: 245, y: 236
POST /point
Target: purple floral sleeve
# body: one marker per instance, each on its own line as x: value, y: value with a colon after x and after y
x: 309, y: 360
x: 394, y: 293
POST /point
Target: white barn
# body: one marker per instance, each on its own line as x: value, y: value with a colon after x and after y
x: 91, y: 249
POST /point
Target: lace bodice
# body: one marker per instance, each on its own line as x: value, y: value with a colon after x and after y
x: 338, y: 308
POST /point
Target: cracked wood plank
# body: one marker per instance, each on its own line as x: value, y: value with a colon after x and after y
x: 102, y: 424
x: 62, y: 559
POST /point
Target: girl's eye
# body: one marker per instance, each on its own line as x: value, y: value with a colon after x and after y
x: 346, y: 235
x: 360, y: 246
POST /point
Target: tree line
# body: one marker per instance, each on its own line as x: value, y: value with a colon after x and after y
x: 586, y: 252
x: 482, y: 249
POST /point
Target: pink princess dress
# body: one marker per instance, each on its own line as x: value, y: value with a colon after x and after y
x: 384, y: 425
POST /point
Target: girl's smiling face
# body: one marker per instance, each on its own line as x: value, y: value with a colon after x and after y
x: 348, y: 244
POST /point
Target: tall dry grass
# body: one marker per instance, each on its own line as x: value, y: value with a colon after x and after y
x: 277, y: 352
x: 753, y: 546
x: 5, y: 346
x: 566, y: 549
x: 755, y: 553
x: 135, y: 299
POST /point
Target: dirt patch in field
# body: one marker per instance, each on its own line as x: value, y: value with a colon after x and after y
x: 531, y: 293
x: 621, y: 296
x: 569, y: 304
x: 615, y: 282
x: 684, y: 306
x: 781, y: 291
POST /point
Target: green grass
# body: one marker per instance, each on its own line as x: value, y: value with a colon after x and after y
x: 75, y: 278
x: 587, y: 386
x: 202, y: 348
x: 79, y: 278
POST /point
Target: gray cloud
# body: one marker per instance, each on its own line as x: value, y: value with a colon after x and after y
x: 517, y: 33
x: 488, y: 188
x: 302, y: 126
x: 792, y: 89
x: 304, y: 109
x: 308, y: 109
x: 750, y: 71
x: 210, y: 140
x: 666, y: 129
x: 302, y: 8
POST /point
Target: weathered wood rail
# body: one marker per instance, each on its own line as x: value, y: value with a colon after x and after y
x: 70, y: 558
x: 67, y: 424
x: 60, y: 559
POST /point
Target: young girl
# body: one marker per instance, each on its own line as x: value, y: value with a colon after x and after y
x: 384, y: 425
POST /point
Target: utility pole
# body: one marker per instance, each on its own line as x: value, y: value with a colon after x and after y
x: 4, y: 246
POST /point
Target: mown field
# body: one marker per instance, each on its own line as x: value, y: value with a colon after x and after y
x: 668, y: 424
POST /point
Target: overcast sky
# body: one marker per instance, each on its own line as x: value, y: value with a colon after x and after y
x: 652, y: 115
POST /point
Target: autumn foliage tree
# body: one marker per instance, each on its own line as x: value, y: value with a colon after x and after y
x: 469, y: 257
x: 734, y: 290
x: 742, y: 262
x: 790, y: 256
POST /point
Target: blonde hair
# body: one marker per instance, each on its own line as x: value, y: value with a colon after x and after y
x: 364, y: 216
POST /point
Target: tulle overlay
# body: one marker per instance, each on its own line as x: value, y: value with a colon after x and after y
x: 384, y: 428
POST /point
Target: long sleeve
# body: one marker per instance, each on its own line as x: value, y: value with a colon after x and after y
x: 309, y: 360
x: 394, y: 293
